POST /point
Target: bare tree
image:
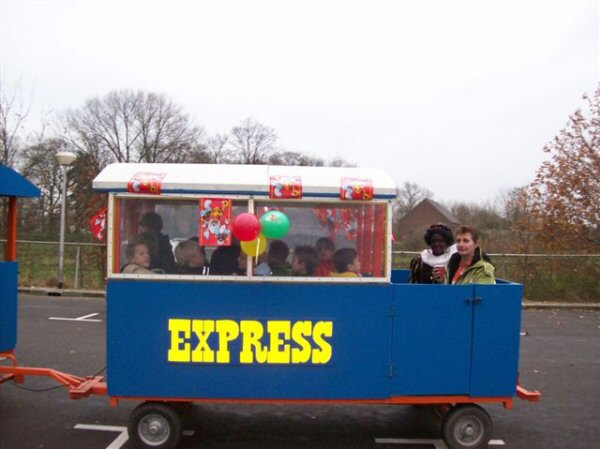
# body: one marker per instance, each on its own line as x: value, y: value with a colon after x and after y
x: 216, y: 147
x: 252, y: 142
x: 290, y: 158
x: 128, y: 126
x: 484, y: 216
x: 408, y: 196
x: 13, y: 114
x: 339, y: 162
x: 39, y: 165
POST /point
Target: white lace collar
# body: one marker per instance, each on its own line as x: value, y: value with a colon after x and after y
x: 437, y: 261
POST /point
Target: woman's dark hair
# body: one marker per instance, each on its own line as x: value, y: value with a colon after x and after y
x: 441, y: 229
x: 225, y: 260
x: 342, y: 258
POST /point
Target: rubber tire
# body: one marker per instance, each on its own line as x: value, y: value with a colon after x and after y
x: 162, y: 414
x: 182, y: 408
x: 467, y: 417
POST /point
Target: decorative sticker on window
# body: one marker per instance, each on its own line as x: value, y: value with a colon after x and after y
x: 356, y: 189
x: 146, y: 183
x: 328, y: 219
x: 285, y: 187
x: 350, y: 222
x: 215, y: 222
x: 98, y: 224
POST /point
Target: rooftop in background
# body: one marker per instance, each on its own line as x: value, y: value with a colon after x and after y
x: 424, y: 214
x: 14, y: 184
x: 241, y: 179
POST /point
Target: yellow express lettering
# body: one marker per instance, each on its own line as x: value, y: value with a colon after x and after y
x: 180, y: 332
x: 228, y: 331
x: 252, y: 349
x: 300, y: 332
x: 323, y: 354
x: 276, y: 342
x: 279, y: 350
x: 203, y: 352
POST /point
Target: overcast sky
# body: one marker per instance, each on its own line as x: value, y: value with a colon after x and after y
x: 457, y: 96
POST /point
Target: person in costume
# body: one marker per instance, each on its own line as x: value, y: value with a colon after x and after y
x: 431, y: 265
x: 469, y: 265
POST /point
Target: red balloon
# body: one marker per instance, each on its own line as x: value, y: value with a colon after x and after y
x: 246, y: 227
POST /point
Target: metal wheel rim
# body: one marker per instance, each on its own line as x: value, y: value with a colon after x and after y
x: 469, y: 431
x: 154, y: 429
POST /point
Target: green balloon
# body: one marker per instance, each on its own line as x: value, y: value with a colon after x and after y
x: 275, y: 224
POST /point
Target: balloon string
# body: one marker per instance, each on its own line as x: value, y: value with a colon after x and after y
x: 257, y: 247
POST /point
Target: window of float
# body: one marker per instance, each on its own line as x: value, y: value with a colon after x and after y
x: 372, y: 244
x: 362, y: 226
x: 126, y: 210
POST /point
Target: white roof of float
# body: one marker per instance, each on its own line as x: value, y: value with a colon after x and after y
x: 241, y: 179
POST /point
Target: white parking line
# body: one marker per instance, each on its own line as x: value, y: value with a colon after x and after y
x: 437, y: 443
x: 81, y: 318
x: 116, y: 444
x: 123, y: 435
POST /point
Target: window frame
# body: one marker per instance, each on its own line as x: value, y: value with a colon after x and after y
x: 113, y: 235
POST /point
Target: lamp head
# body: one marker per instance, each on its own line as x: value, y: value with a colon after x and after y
x: 65, y: 157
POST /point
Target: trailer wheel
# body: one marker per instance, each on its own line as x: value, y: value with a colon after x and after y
x: 181, y: 408
x: 154, y: 425
x: 467, y: 427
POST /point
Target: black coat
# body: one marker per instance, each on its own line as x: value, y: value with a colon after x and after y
x: 420, y: 272
x: 164, y: 259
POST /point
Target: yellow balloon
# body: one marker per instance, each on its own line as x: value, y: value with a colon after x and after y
x: 256, y: 247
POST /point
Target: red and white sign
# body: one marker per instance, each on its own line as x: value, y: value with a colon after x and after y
x: 215, y: 222
x: 356, y: 189
x: 98, y: 224
x: 148, y: 183
x: 285, y: 187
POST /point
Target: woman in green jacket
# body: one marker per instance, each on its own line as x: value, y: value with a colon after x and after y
x: 469, y: 265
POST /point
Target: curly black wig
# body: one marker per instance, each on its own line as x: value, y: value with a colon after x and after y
x: 441, y: 229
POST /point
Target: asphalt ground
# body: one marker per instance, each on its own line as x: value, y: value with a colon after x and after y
x: 560, y: 356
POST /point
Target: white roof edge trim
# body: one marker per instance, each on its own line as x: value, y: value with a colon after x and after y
x: 249, y: 179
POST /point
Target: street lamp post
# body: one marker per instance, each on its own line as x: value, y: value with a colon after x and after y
x: 64, y: 158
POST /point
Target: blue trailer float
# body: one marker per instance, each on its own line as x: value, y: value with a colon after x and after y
x: 252, y: 334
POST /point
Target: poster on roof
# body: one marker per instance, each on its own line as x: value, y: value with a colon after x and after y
x: 356, y: 189
x: 285, y: 187
x: 149, y: 183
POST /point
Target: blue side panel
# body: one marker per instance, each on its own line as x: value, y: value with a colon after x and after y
x: 431, y: 339
x: 400, y: 276
x: 139, y: 340
x: 8, y: 305
x: 496, y: 335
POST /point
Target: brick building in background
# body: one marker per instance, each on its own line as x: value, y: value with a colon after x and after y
x: 420, y: 217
